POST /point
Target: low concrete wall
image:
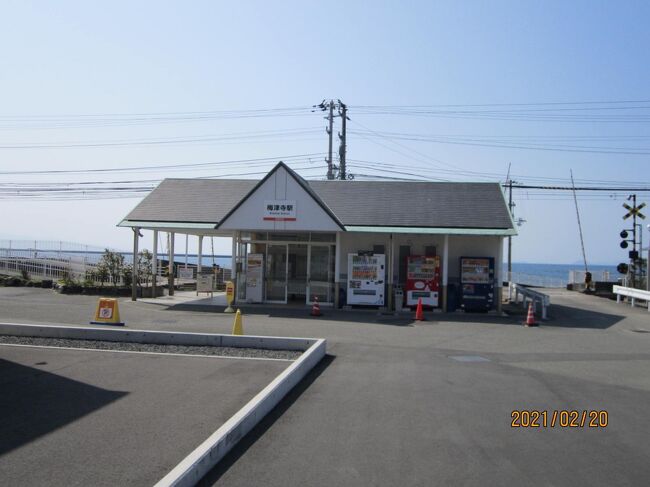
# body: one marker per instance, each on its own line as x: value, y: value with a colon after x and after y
x: 157, y: 337
x: 212, y: 450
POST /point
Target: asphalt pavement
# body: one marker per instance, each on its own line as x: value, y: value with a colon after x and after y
x: 77, y: 417
x: 399, y: 402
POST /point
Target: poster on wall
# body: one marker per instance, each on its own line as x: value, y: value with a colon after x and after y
x: 254, y: 277
x: 422, y: 280
x: 366, y: 275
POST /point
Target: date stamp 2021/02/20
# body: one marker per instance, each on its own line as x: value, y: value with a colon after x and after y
x: 562, y: 418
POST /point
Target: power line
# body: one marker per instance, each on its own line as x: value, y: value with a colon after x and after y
x: 169, y: 140
x: 508, y: 145
x: 166, y: 166
x: 590, y: 111
x: 590, y: 102
x: 50, y: 193
x: 584, y: 188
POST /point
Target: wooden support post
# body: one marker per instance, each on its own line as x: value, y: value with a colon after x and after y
x: 170, y: 277
x: 445, y: 271
x: 134, y: 273
x: 154, y: 265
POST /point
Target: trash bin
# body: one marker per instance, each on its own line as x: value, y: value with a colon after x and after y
x: 399, y: 299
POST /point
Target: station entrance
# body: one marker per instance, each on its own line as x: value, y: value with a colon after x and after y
x: 286, y: 268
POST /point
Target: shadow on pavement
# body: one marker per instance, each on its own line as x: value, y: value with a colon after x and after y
x: 329, y: 314
x: 247, y: 441
x: 568, y: 317
x: 34, y: 403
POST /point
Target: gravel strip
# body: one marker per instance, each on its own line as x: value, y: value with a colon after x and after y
x: 150, y: 347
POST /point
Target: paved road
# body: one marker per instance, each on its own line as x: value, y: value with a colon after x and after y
x: 73, y: 417
x: 395, y: 404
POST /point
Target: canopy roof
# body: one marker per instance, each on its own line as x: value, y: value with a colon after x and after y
x: 415, y: 207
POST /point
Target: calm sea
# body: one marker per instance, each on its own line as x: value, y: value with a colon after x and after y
x: 548, y: 275
x: 557, y: 275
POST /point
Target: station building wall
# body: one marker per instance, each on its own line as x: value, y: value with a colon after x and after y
x: 309, y: 216
x: 459, y: 246
x: 473, y: 246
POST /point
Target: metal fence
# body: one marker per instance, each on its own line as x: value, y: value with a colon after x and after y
x: 538, y: 281
x: 58, y: 260
x: 48, y: 259
x: 576, y: 277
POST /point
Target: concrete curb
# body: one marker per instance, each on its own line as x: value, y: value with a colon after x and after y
x: 212, y: 450
x: 157, y: 337
x: 200, y: 461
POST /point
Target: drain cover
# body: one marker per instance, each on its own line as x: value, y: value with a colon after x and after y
x: 469, y: 358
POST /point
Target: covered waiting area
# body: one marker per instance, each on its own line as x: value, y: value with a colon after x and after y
x: 293, y: 240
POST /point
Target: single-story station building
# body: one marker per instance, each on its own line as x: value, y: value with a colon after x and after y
x: 351, y: 242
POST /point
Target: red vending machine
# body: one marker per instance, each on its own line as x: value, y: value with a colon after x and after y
x: 422, y: 280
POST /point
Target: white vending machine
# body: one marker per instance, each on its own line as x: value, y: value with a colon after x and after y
x: 366, y: 276
x: 254, y: 277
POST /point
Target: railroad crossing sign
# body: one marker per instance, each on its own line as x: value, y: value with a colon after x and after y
x: 633, y: 211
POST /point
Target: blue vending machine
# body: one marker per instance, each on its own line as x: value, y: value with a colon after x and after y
x: 477, y: 283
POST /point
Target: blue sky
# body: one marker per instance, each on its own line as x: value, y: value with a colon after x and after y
x: 74, y: 58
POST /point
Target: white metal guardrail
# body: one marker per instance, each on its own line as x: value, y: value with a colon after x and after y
x: 633, y: 294
x: 578, y: 277
x: 528, y: 294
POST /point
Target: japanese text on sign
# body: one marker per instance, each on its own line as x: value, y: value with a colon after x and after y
x: 279, y: 210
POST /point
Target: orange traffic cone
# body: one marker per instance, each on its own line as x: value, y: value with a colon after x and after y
x: 419, y: 314
x: 530, y: 319
x: 315, y: 308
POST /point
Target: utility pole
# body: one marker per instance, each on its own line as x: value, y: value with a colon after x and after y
x: 511, y: 206
x: 330, y: 130
x: 582, y: 242
x: 325, y: 106
x: 343, y: 112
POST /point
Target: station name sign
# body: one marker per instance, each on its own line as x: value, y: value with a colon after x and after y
x: 280, y: 210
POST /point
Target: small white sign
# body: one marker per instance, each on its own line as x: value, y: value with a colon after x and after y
x: 279, y: 210
x: 106, y: 313
x: 184, y: 273
x: 254, y: 277
x: 204, y: 284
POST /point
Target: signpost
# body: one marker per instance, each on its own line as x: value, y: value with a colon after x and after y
x: 636, y: 264
x: 204, y: 284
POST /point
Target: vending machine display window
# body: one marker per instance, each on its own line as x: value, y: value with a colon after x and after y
x: 477, y: 283
x: 366, y: 276
x: 422, y: 280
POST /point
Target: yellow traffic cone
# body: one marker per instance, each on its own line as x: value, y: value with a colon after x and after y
x: 237, y: 327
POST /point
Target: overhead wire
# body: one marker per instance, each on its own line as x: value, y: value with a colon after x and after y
x: 158, y: 167
x: 505, y: 145
x: 245, y: 136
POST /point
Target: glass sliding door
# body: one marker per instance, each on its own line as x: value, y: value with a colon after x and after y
x: 276, y: 273
x: 297, y: 276
x: 321, y: 273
